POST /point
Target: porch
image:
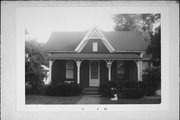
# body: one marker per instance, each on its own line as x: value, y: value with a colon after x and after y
x: 94, y: 72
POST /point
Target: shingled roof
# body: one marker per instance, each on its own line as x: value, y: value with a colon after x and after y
x: 121, y: 41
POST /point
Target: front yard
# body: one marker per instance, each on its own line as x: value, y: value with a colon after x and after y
x: 88, y: 99
x: 40, y: 99
x: 144, y: 100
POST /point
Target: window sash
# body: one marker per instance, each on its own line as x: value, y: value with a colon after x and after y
x: 120, y: 70
x: 95, y: 46
x: 69, y: 70
x: 69, y: 74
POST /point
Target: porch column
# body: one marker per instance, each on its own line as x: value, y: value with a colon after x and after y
x: 139, y: 69
x: 109, y: 64
x: 78, y: 62
x: 50, y: 70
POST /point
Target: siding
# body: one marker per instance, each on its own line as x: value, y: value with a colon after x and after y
x: 58, y: 71
x: 84, y: 74
x: 103, y: 72
x: 101, y: 47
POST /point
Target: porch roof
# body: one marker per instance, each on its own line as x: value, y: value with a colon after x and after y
x: 121, y: 56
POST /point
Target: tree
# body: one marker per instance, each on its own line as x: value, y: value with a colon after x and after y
x: 34, y: 58
x: 154, y: 48
x: 126, y: 22
x: 149, y: 25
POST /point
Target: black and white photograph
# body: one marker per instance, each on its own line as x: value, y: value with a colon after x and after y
x: 92, y: 56
x: 90, y: 60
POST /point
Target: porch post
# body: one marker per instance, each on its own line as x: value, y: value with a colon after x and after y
x: 109, y: 64
x: 78, y: 62
x: 139, y: 69
x: 50, y: 70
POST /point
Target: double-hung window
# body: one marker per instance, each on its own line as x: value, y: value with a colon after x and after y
x: 95, y: 46
x: 120, y: 70
x: 69, y: 70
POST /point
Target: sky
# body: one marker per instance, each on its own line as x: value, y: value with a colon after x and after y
x: 41, y: 22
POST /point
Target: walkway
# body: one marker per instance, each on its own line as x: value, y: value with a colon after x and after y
x: 90, y: 99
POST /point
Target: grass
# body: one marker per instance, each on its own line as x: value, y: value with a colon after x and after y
x: 145, y: 100
x: 40, y: 99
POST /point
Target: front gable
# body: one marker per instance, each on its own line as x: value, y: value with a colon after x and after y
x: 95, y: 46
x: 95, y: 42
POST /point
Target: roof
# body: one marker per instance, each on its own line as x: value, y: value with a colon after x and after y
x: 64, y: 41
x: 126, y: 40
x: 121, y: 41
x: 120, y: 56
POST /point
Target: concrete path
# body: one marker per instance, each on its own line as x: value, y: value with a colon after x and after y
x: 90, y: 99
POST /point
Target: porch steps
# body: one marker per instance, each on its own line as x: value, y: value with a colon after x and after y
x: 91, y: 91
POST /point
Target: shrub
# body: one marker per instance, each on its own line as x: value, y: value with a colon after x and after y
x: 132, y: 93
x: 152, y: 78
x: 29, y: 90
x: 131, y: 89
x: 149, y: 91
x: 107, y: 89
x: 66, y: 89
x: 152, y: 81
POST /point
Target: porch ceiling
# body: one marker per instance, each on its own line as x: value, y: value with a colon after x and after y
x: 130, y: 56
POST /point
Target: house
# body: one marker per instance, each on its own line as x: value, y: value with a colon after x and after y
x: 93, y: 57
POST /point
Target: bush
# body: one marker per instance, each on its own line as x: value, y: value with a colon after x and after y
x: 131, y: 89
x: 65, y: 89
x: 132, y: 93
x: 152, y: 78
x: 149, y: 91
x: 107, y: 89
x: 152, y: 81
x: 29, y: 90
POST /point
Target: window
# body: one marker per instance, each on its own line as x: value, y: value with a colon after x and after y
x: 69, y: 70
x: 120, y: 70
x: 95, y: 46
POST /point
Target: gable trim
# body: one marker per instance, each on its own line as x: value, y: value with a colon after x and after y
x: 89, y: 36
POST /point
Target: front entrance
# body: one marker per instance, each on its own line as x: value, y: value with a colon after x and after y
x: 94, y: 78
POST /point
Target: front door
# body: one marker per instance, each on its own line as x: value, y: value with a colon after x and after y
x: 94, y: 74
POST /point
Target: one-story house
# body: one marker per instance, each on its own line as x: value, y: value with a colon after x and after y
x: 91, y: 58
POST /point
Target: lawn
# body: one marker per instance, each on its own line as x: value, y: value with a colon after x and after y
x: 40, y: 99
x: 144, y: 100
x: 88, y: 99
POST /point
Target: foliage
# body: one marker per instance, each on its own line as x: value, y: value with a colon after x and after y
x: 131, y: 89
x: 152, y: 80
x: 154, y: 49
x: 126, y: 22
x: 131, y: 93
x: 65, y: 89
x: 149, y: 91
x: 106, y: 89
x: 124, y: 89
x: 33, y: 60
x: 140, y: 22
x: 32, y: 91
